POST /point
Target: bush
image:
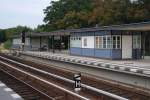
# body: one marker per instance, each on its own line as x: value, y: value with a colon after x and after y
x: 7, y: 44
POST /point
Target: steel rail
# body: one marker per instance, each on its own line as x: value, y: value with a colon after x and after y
x: 100, y: 67
x: 28, y: 85
x: 70, y: 81
x: 47, y: 82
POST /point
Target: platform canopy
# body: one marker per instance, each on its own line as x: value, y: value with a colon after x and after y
x: 53, y: 33
x: 143, y: 26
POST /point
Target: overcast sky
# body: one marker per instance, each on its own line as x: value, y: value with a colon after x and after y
x: 22, y: 12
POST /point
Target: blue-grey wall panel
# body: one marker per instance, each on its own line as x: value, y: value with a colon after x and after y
x: 103, y: 53
x: 27, y: 47
x: 116, y: 54
x: 92, y: 33
x: 101, y: 33
x: 82, y: 34
x: 136, y: 54
x: 88, y: 52
x: 125, y: 33
x: 75, y: 51
x: 87, y: 34
x: 76, y: 34
x: 100, y: 53
x: 15, y: 46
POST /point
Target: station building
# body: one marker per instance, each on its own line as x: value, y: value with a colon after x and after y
x: 16, y: 42
x: 127, y: 41
x: 107, y: 42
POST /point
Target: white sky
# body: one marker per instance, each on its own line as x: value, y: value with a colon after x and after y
x: 22, y: 12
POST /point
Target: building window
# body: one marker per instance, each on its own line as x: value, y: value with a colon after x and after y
x: 108, y: 42
x: 99, y: 42
x: 72, y: 38
x: 104, y: 42
x: 85, y: 42
x: 116, y: 42
x: 136, y: 42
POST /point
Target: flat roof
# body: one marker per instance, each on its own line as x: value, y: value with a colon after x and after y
x: 55, y: 33
x: 143, y: 26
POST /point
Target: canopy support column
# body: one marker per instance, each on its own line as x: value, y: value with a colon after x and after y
x: 40, y: 43
x: 53, y: 44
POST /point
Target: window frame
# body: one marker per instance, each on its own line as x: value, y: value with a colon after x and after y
x: 136, y: 41
x: 109, y: 42
x: 99, y: 46
x: 116, y: 41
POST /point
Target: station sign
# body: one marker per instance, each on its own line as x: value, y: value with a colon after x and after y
x: 77, y: 82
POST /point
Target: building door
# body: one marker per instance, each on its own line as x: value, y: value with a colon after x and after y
x: 146, y: 45
x: 126, y: 47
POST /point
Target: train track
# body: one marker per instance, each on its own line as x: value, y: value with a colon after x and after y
x: 92, y: 93
x: 26, y: 91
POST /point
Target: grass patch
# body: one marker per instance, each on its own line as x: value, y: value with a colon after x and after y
x: 7, y: 44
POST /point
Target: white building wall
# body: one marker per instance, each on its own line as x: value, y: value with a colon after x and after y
x: 127, y: 46
x: 90, y: 41
x: 27, y: 41
x: 17, y: 41
x: 44, y: 41
x: 75, y: 42
x: 35, y: 42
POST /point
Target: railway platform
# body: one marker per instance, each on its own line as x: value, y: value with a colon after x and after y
x: 133, y: 66
x: 7, y: 93
x: 116, y: 71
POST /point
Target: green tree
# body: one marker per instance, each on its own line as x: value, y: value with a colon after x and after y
x: 66, y: 14
x: 40, y: 28
x: 2, y: 36
x: 60, y: 13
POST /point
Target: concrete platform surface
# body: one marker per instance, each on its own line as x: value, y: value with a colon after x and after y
x: 142, y: 63
x: 136, y: 66
x: 7, y: 93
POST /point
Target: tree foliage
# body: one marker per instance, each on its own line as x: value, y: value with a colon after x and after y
x: 6, y: 34
x: 7, y: 44
x: 67, y: 14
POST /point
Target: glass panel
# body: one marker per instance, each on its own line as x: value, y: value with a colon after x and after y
x: 118, y: 42
x: 109, y: 42
x: 104, y: 42
x: 100, y: 42
x: 114, y: 42
x: 97, y: 42
x: 85, y: 42
x: 79, y: 38
x: 139, y: 42
x: 134, y: 42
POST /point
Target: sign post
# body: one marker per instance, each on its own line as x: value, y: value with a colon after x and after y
x: 77, y: 80
x: 22, y: 40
